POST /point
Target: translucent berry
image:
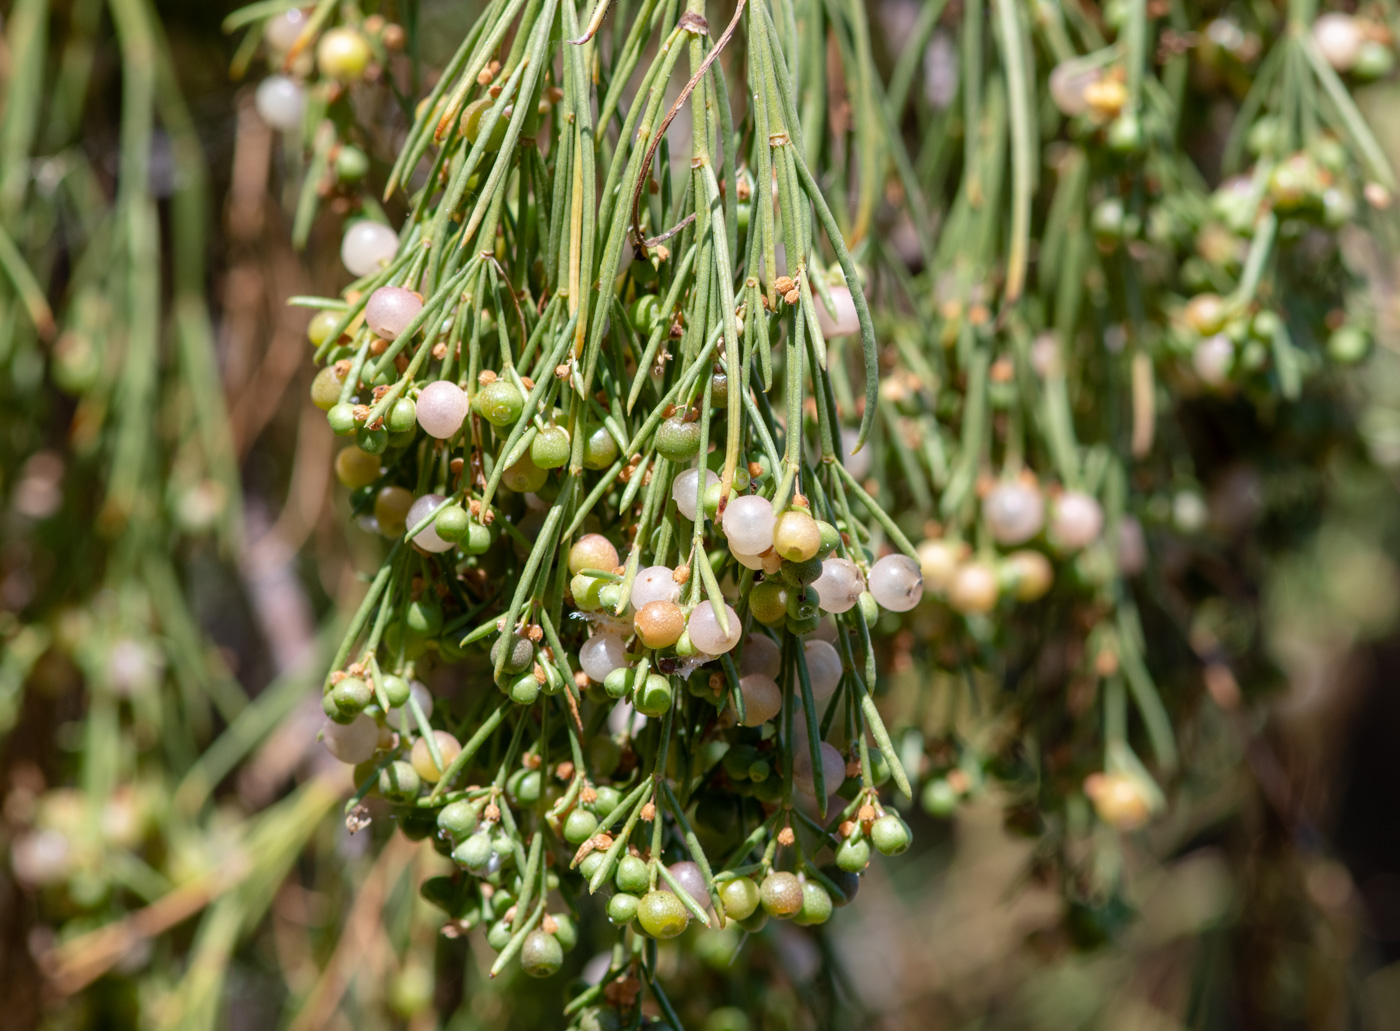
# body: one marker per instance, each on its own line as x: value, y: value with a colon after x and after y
x: 824, y: 668
x: 974, y: 589
x: 938, y: 561
x: 662, y: 914
x: 707, y: 635
x: 691, y: 878
x: 390, y: 309
x: 427, y: 538
x: 654, y: 583
x: 592, y: 551
x: 833, y: 769
x: 442, y: 408
x: 343, y: 54
x: 763, y: 699
x: 685, y: 491
x: 500, y: 402
x: 599, y: 449
x: 1076, y: 520
x: 841, y: 322
x: 448, y: 747
x: 677, y: 439
x: 761, y: 654
x: 283, y: 30
x: 896, y: 583
x: 352, y: 742
x: 281, y: 103
x: 600, y: 655
x: 367, y: 247
x: 1030, y: 575
x: 318, y: 330
x: 840, y: 585
x: 326, y: 387
x: 748, y: 524
x: 1014, y: 512
x: 1340, y: 38
x: 796, y: 535
x: 781, y: 894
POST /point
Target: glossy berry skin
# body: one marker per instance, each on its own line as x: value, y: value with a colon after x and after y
x: 622, y: 908
x: 396, y: 690
x: 399, y: 781
x: 632, y: 875
x: 768, y: 603
x: 343, y: 54
x: 890, y: 835
x: 351, y: 695
x: 853, y: 854
x: 541, y: 955
x: 550, y: 448
x: 499, y: 403
x: 659, y: 624
x: 402, y: 417
x: 740, y: 897
x: 473, y: 853
x: 599, y: 449
x: 448, y: 747
x: 677, y: 439
x: 816, y: 905
x: 781, y: 894
x: 342, y: 419
x: 458, y: 819
x: 796, y: 536
x: 662, y: 914
x: 579, y: 826
x: 452, y: 523
x: 655, y: 696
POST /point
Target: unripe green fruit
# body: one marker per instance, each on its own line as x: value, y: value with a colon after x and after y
x: 618, y: 682
x: 939, y: 798
x: 374, y: 442
x: 1125, y: 134
x: 399, y: 781
x: 654, y: 697
x: 1348, y: 345
x: 550, y: 448
x: 719, y: 390
x: 520, y: 657
x: 332, y: 711
x: 424, y: 616
x: 599, y: 449
x: 755, y: 921
x: 662, y: 914
x: 587, y: 591
x: 738, y: 759
x: 499, y: 403
x: 475, y: 114
x: 351, y: 164
x: 890, y: 835
x: 459, y: 818
x: 816, y: 905
x: 319, y: 329
x: 525, y: 786
x: 351, y: 696
x: 831, y: 539
x: 609, y: 595
x: 803, y: 605
x: 499, y: 935
x: 802, y: 574
x: 781, y: 894
x: 590, y: 863
x: 608, y: 796
x: 325, y: 388
x: 644, y: 313
x: 678, y: 440
x: 452, y: 523
x: 853, y: 854
x: 342, y: 420
x: 565, y: 931
x: 632, y: 875
x: 579, y: 826
x: 759, y: 771
x: 622, y: 908
x: 740, y: 897
x: 524, y: 689
x: 477, y: 541
x: 685, y: 648
x: 402, y: 417
x: 542, y: 955
x: 343, y: 54
x: 396, y: 690
x: 473, y: 853
x: 525, y: 477
x: 768, y: 602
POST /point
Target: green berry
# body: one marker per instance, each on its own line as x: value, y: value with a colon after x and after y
x: 853, y: 854
x: 590, y: 863
x: 542, y: 955
x: 939, y: 798
x: 374, y: 442
x: 478, y: 539
x: 499, y: 403
x: 474, y: 853
x: 654, y: 697
x: 645, y: 312
x: 396, y: 690
x: 618, y: 682
x: 342, y: 419
x: 677, y: 439
x: 424, y: 616
x: 452, y: 523
x: 816, y: 905
x: 525, y: 477
x: 525, y: 786
x: 781, y: 894
x: 608, y: 796
x: 622, y: 908
x: 524, y: 689
x: 579, y: 826
x: 801, y: 574
x: 632, y: 875
x: 740, y: 897
x: 458, y: 819
x: 565, y: 932
x: 831, y: 539
x: 890, y: 835
x: 768, y: 602
x: 499, y: 936
x: 399, y: 781
x: 351, y: 696
x: 662, y: 914
x: 521, y: 655
x: 587, y: 592
x: 319, y: 330
x: 550, y: 448
x: 803, y: 605
x: 402, y: 417
x: 326, y: 387
x: 599, y: 449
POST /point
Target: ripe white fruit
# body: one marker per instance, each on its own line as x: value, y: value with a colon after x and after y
x: 427, y: 538
x: 367, y: 247
x: 442, y: 408
x: 896, y: 583
x: 281, y: 102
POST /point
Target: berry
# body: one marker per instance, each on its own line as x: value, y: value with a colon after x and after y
x: 592, y: 551
x: 617, y: 683
x: 550, y: 448
x: 374, y: 442
x: 973, y: 590
x: 685, y: 490
x: 662, y: 914
x: 740, y: 897
x: 1076, y: 521
x: 402, y: 417
x: 342, y: 419
x: 654, y: 583
x: 326, y: 387
x: 519, y: 657
x: 427, y: 538
x: 1013, y: 511
x: 763, y: 699
x: 499, y: 403
x: 803, y: 605
x: 853, y: 854
x: 396, y: 690
x: 367, y: 247
x: 632, y: 875
x: 474, y: 853
x: 748, y: 524
x: 796, y: 536
x: 448, y: 748
x: 707, y: 635
x: 1029, y: 574
x: 399, y: 781
x: 677, y: 439
x: 890, y: 835
x: 458, y: 819
x: 424, y: 616
x: 525, y: 477
x: 847, y: 884
x: 600, y: 655
x: 840, y: 586
x: 524, y: 689
x: 622, y: 908
x: 781, y: 894
x: 541, y: 955
x: 599, y: 449
x: 453, y: 524
x: 659, y: 624
x: 654, y: 697
x: 816, y: 905
x: 281, y: 103
x: 343, y: 54
x: 768, y: 602
x: 351, y: 696
x: 390, y: 309
x: 939, y: 798
x: 441, y: 409
x: 824, y: 668
x: 896, y: 583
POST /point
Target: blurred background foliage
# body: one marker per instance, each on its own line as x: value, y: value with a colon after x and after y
x: 170, y: 551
